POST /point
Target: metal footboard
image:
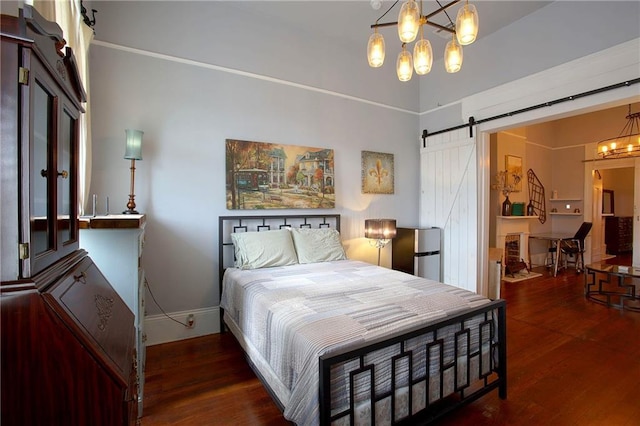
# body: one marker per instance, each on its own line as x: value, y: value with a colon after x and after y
x: 433, y: 370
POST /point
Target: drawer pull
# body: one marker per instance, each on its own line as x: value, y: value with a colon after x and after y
x: 82, y: 277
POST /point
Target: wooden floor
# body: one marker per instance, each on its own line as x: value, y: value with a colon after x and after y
x: 570, y: 362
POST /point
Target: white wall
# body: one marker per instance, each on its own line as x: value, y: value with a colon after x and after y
x: 185, y: 75
x: 152, y: 70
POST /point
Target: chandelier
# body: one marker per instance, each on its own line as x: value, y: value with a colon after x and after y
x: 411, y: 22
x: 627, y: 144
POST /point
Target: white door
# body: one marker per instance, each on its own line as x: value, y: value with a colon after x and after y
x: 636, y: 215
x: 449, y: 200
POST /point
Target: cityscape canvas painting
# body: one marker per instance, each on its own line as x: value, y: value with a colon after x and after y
x: 262, y: 175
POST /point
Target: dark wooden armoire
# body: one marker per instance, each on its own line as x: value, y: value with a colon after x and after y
x: 67, y: 338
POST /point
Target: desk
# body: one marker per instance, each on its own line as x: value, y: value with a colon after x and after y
x: 621, y: 283
x: 553, y: 241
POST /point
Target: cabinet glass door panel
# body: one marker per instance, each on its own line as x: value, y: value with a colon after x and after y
x: 66, y: 177
x: 42, y: 238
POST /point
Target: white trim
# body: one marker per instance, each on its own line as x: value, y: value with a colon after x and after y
x: 160, y: 329
x: 199, y: 64
x: 513, y: 135
x: 439, y: 107
x: 484, y: 158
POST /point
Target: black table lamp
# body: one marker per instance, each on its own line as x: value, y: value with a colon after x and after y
x: 380, y: 231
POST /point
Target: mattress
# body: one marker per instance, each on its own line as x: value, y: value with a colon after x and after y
x: 286, y: 317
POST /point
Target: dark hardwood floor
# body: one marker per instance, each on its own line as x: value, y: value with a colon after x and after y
x: 570, y: 362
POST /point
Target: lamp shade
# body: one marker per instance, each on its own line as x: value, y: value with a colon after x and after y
x: 375, y: 50
x: 467, y: 24
x: 380, y: 229
x: 422, y: 56
x: 408, y: 21
x: 133, y: 148
x: 404, y: 65
x: 453, y: 56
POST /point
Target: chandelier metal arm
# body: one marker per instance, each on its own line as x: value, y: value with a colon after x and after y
x: 443, y: 28
x: 423, y: 19
x: 442, y: 9
x: 633, y: 123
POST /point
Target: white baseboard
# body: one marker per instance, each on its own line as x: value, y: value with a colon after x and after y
x: 160, y: 329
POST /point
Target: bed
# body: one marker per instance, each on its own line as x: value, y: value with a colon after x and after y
x: 343, y: 342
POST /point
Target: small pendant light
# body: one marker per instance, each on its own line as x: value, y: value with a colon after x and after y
x: 404, y: 66
x: 408, y: 21
x: 453, y: 56
x: 422, y: 55
x: 467, y: 24
x: 375, y: 50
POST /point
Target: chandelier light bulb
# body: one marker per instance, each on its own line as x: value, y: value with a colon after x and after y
x: 404, y: 66
x: 467, y: 24
x: 375, y: 50
x: 422, y: 56
x: 408, y: 21
x: 453, y: 56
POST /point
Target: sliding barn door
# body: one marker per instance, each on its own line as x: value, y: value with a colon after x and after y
x: 449, y: 200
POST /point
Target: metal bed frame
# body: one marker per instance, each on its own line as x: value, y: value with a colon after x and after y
x: 489, y: 358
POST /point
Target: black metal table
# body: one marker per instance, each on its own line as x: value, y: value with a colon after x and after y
x: 613, y: 285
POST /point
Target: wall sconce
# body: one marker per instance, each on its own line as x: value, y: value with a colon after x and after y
x: 380, y: 231
x: 133, y: 152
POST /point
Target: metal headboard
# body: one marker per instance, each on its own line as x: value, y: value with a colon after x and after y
x: 228, y: 225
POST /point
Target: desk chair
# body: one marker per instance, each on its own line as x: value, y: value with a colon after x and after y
x: 575, y: 247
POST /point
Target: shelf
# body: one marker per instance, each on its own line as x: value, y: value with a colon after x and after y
x: 114, y: 221
x: 517, y: 217
x: 565, y: 214
x: 565, y: 199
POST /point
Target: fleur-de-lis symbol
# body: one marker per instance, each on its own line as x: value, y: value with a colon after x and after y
x: 378, y: 172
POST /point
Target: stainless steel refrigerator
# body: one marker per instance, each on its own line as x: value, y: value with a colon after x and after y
x: 417, y: 251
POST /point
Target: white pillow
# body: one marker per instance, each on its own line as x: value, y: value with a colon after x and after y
x: 263, y: 249
x: 317, y: 245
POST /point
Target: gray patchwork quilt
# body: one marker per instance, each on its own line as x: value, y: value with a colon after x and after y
x: 286, y: 317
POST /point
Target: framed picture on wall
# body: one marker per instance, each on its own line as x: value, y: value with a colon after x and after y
x: 513, y: 166
x: 607, y: 203
x: 377, y: 173
x: 263, y: 175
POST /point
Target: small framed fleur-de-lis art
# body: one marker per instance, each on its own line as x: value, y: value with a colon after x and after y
x: 377, y: 173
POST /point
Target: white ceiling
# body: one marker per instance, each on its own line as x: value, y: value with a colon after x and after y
x: 350, y: 21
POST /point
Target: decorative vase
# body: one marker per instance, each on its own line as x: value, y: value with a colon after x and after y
x: 531, y: 211
x: 506, y: 207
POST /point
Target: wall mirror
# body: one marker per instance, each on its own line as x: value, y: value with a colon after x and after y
x: 607, y: 202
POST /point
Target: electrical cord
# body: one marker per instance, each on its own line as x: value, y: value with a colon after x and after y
x: 146, y: 284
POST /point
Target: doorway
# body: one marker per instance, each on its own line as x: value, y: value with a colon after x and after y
x: 613, y: 212
x: 559, y: 166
